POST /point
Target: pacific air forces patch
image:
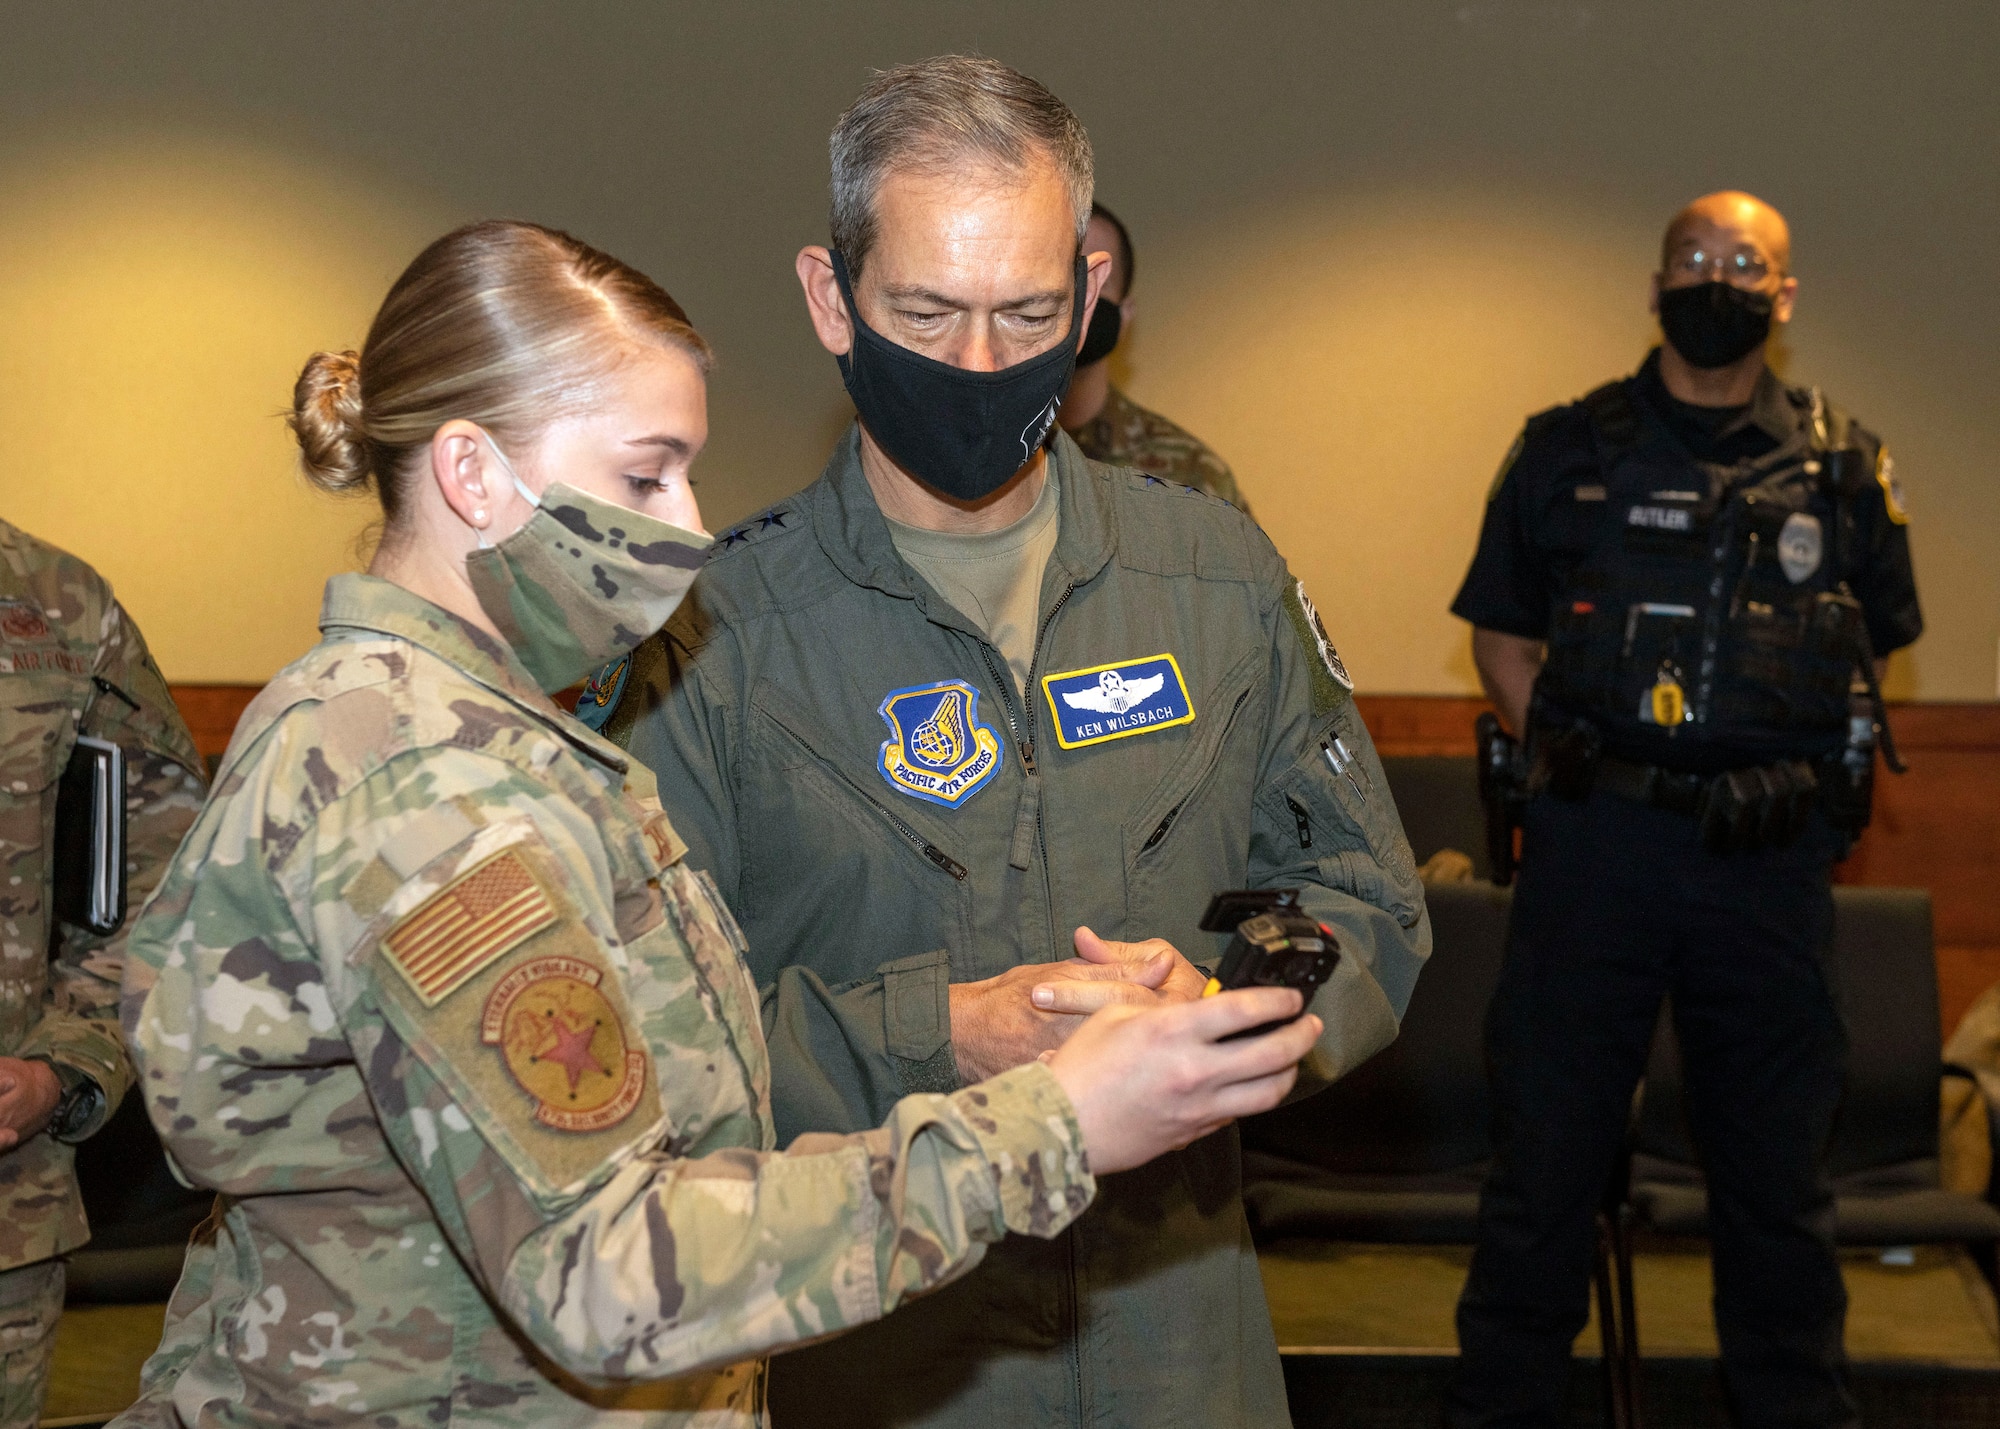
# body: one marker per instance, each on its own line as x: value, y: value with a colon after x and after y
x: 1330, y: 681
x: 1115, y: 701
x: 937, y: 749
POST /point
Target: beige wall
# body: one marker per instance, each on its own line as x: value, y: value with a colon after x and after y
x: 1371, y: 237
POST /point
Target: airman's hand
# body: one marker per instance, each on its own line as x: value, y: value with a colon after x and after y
x: 29, y: 1092
x: 1149, y: 1080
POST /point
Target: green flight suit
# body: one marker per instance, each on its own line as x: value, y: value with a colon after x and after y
x: 764, y: 708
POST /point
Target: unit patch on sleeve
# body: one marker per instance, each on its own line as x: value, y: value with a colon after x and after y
x: 465, y: 925
x: 937, y: 749
x: 564, y: 1043
x: 1113, y: 701
x: 1330, y: 680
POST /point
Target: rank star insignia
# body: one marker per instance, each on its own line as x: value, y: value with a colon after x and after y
x: 772, y: 518
x: 739, y: 534
x: 562, y: 1041
x: 1152, y: 480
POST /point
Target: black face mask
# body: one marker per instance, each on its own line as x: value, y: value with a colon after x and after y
x: 1714, y: 324
x: 1107, y: 324
x: 964, y: 433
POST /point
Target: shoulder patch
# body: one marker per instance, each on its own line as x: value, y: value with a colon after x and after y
x: 1506, y: 465
x: 465, y: 926
x: 1330, y: 681
x: 1892, y: 489
x: 565, y: 1044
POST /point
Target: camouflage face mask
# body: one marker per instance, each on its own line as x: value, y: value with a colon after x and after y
x: 582, y: 582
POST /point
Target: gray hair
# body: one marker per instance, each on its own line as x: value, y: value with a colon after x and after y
x: 934, y: 115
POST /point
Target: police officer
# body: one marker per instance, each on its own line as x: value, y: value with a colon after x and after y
x: 971, y: 700
x: 1683, y: 589
x: 1105, y: 423
x: 71, y: 663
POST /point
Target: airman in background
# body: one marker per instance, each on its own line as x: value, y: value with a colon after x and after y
x: 71, y: 663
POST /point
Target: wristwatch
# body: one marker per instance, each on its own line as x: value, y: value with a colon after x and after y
x: 78, y: 1106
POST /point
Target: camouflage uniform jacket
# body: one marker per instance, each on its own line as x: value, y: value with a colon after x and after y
x: 432, y: 999
x: 868, y: 885
x: 1126, y: 434
x: 71, y: 662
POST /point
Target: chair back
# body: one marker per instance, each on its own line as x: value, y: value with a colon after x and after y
x: 1420, y: 1104
x: 1438, y: 797
x: 1885, y: 974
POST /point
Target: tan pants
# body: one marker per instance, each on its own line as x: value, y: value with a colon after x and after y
x: 31, y: 1301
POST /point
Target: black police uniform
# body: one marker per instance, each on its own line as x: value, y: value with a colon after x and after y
x: 1708, y: 582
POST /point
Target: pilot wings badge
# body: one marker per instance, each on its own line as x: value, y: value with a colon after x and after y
x: 1113, y: 701
x: 937, y: 749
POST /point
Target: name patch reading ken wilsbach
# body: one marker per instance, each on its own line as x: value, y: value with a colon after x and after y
x: 1115, y: 701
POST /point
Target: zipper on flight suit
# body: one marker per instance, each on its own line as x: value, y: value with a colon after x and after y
x: 916, y: 840
x: 1029, y: 839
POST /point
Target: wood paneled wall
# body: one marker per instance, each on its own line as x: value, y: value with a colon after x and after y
x: 1937, y: 827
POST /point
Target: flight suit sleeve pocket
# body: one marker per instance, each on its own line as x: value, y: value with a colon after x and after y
x: 1337, y: 788
x: 490, y: 975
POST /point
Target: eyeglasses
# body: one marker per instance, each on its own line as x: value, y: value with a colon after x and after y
x: 1743, y: 268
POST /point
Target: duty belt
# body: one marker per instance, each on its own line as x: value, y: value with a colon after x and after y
x: 1761, y: 807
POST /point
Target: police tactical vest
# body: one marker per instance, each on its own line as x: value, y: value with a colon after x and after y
x: 1706, y: 606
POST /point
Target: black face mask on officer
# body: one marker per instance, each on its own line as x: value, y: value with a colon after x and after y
x: 1714, y: 324
x: 964, y: 433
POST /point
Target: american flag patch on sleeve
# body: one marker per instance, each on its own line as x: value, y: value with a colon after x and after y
x: 466, y: 924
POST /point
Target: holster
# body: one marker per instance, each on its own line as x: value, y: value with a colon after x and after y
x: 1562, y: 758
x: 1503, y: 790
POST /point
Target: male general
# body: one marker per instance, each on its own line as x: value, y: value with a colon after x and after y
x: 970, y: 694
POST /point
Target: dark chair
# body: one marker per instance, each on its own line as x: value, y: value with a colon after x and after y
x: 1883, y: 1154
x: 1395, y: 1152
x: 1438, y: 797
x: 140, y: 1216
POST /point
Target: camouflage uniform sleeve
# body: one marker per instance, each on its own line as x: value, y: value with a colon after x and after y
x: 553, y: 1076
x: 1324, y: 822
x: 163, y: 792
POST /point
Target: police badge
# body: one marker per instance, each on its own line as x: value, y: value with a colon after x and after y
x: 1800, y: 546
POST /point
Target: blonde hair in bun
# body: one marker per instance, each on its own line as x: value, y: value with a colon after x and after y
x: 506, y: 324
x: 326, y: 418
